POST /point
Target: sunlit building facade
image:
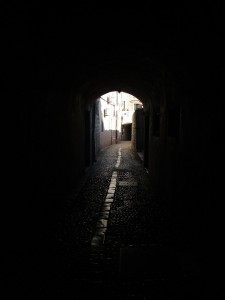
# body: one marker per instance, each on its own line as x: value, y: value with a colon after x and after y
x: 113, y: 115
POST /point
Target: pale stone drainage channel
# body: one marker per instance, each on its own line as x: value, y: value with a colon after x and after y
x: 98, y: 239
x: 101, y: 227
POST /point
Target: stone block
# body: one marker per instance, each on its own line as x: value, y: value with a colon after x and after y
x: 102, y: 223
x: 97, y: 240
x: 109, y: 200
x: 106, y: 207
x: 104, y: 215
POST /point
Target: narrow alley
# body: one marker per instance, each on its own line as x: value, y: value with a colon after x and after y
x: 115, y: 240
x: 115, y: 148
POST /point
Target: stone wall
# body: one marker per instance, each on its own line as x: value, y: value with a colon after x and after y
x: 137, y: 137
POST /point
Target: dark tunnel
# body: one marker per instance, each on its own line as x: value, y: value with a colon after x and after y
x: 59, y: 59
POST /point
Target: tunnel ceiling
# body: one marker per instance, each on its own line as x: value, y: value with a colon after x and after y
x: 133, y: 73
x: 95, y: 49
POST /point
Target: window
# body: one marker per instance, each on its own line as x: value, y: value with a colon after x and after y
x: 124, y: 105
x: 106, y: 112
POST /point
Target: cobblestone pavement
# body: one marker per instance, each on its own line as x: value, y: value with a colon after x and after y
x: 114, y: 239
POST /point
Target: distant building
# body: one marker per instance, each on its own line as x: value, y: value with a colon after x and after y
x: 113, y: 118
x: 129, y: 105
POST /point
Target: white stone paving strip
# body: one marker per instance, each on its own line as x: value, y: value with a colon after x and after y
x: 101, y: 227
x: 118, y: 159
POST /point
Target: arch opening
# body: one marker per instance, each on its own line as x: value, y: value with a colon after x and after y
x: 113, y: 118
